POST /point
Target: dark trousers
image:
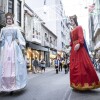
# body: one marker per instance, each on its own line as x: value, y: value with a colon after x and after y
x: 66, y: 68
x: 43, y: 68
x: 56, y: 67
x: 60, y: 67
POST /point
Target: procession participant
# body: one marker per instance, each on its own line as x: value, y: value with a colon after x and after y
x: 82, y: 73
x: 13, y: 72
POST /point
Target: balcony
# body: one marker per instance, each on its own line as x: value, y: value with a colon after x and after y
x: 51, y: 46
x: 55, y: 47
x: 46, y: 43
x: 2, y: 18
x: 36, y: 39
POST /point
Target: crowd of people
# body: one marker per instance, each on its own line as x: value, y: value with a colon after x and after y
x: 38, y: 65
x: 60, y: 64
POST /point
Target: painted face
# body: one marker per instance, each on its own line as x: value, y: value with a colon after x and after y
x: 72, y: 22
x: 9, y: 20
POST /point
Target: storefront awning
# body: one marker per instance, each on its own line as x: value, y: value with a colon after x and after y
x: 97, y: 47
x: 37, y: 47
x: 52, y: 56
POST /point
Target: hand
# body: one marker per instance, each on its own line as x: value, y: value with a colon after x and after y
x: 77, y: 46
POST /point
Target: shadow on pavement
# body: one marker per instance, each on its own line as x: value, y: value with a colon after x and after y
x: 95, y: 91
x: 14, y: 94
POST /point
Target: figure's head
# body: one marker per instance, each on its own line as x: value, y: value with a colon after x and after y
x: 73, y: 20
x: 9, y: 18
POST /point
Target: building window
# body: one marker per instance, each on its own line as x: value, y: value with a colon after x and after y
x: 45, y: 35
x: 50, y: 39
x: 62, y: 45
x: 61, y: 13
x: 46, y: 38
x: 61, y: 23
x: 61, y: 33
x: 1, y: 3
x: 19, y: 12
x: 55, y: 42
x: 33, y: 30
x: 44, y: 2
x: 63, y: 27
x: 60, y: 3
x: 11, y: 6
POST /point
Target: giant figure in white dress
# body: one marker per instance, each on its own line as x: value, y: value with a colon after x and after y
x: 13, y: 72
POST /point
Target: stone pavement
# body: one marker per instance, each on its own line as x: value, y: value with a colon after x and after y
x: 32, y: 75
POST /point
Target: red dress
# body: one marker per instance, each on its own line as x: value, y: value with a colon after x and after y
x: 82, y: 73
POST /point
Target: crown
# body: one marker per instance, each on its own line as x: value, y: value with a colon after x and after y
x: 9, y: 14
x: 73, y: 17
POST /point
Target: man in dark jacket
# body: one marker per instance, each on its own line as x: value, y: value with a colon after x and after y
x: 36, y: 63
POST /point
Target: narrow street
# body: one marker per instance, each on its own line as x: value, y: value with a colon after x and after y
x: 84, y: 95
x: 45, y: 86
x: 50, y: 86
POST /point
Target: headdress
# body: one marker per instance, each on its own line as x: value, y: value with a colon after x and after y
x: 9, y: 14
x: 73, y: 17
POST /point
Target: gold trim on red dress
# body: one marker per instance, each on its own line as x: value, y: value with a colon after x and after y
x: 86, y: 86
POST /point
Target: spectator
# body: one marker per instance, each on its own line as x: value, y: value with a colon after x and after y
x: 57, y: 62
x: 36, y: 63
x: 43, y: 65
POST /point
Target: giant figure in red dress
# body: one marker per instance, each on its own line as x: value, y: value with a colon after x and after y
x: 82, y: 73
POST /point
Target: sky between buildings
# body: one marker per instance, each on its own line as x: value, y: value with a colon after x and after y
x: 77, y: 7
x: 72, y: 7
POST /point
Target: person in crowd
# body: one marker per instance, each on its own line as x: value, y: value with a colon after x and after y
x: 33, y: 67
x: 60, y: 65
x: 13, y: 71
x: 63, y: 62
x: 82, y: 73
x: 26, y: 60
x: 66, y: 66
x: 98, y: 64
x: 57, y: 62
x: 43, y: 65
x: 36, y: 64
